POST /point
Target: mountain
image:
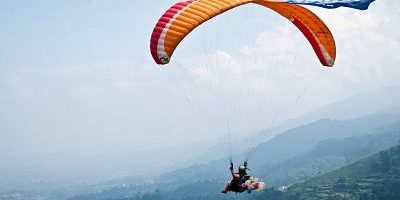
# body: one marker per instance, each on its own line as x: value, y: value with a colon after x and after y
x: 366, y: 136
x: 304, y: 138
x: 372, y: 175
x: 375, y: 177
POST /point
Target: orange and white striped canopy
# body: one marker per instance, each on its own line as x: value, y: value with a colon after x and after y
x: 183, y: 17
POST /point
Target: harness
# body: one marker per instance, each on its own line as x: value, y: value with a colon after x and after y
x: 236, y: 184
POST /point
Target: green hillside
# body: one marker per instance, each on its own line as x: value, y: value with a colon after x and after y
x: 330, y: 154
x: 376, y: 177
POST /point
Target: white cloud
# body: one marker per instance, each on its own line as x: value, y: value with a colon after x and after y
x: 366, y: 44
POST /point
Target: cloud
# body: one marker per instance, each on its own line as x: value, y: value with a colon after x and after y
x: 367, y: 43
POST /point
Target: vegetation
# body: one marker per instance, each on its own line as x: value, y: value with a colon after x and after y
x: 376, y: 177
x: 330, y: 154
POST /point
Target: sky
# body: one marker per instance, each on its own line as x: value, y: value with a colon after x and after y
x: 77, y: 77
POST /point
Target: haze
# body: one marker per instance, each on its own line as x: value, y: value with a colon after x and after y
x: 77, y: 78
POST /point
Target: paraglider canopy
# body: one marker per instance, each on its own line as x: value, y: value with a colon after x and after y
x: 183, y: 17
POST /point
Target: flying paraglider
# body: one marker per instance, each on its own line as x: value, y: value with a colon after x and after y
x: 185, y: 16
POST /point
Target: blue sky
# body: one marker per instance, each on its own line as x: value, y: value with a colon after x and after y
x: 77, y: 76
x: 48, y: 32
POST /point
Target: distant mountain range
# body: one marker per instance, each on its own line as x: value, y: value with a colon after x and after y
x: 304, y: 138
x: 298, y: 153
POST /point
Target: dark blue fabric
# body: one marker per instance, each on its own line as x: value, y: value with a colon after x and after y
x: 357, y: 4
